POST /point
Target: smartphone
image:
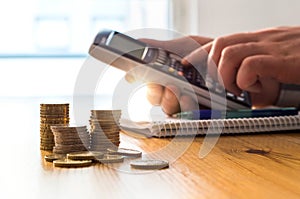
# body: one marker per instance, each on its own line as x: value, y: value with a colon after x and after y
x: 151, y: 64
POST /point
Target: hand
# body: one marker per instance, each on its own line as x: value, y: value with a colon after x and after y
x: 169, y: 97
x: 256, y: 62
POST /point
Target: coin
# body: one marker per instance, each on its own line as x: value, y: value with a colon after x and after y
x: 51, y: 114
x: 54, y: 121
x: 51, y: 158
x: 97, y: 112
x: 50, y: 120
x: 72, y: 142
x: 102, y: 148
x: 110, y: 159
x: 105, y: 128
x: 46, y: 148
x: 70, y: 147
x: 85, y: 155
x: 68, y: 127
x: 72, y: 163
x: 66, y: 151
x: 105, y: 132
x: 125, y: 152
x: 149, y: 164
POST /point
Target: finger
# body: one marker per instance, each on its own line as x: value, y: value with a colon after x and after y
x: 268, y: 95
x: 222, y: 42
x: 170, y: 100
x: 198, y: 60
x: 201, y: 40
x: 284, y: 70
x: 198, y: 56
x: 154, y: 93
x: 169, y: 45
x: 187, y: 103
x: 231, y: 59
x: 180, y: 46
x: 207, y: 47
x: 154, y: 42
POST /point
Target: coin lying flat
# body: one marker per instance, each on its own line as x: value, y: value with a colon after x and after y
x: 72, y: 163
x: 125, y: 152
x: 85, y: 155
x: 149, y: 164
x: 51, y: 158
x: 111, y: 159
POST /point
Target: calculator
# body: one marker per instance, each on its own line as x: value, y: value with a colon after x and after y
x: 158, y: 65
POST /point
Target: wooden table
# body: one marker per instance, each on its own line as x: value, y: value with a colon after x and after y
x: 246, y: 166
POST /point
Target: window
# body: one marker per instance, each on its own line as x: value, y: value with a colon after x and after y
x: 67, y: 27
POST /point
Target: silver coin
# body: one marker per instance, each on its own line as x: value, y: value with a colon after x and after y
x: 85, y: 155
x: 125, y: 152
x: 149, y: 164
x: 111, y: 159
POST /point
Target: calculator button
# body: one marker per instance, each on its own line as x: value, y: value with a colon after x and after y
x: 240, y: 98
x: 219, y: 88
x: 200, y: 81
x: 209, y: 83
x: 231, y: 95
x: 171, y: 70
x: 162, y: 57
x: 180, y: 73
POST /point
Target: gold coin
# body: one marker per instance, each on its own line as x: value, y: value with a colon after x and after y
x: 54, y: 105
x: 51, y: 158
x: 72, y: 163
x: 46, y: 148
x: 85, y: 155
x: 54, y: 119
x: 65, y: 151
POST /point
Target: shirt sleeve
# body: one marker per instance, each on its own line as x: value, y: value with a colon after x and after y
x: 289, y: 96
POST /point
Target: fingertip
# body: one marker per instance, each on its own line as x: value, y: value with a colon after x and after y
x: 256, y: 88
x: 154, y: 93
x: 170, y: 100
x: 185, y: 61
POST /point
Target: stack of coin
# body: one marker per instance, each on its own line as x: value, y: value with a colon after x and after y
x: 70, y: 139
x: 51, y: 114
x: 105, y: 129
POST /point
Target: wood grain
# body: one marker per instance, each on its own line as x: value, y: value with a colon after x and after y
x: 247, y: 166
x: 244, y: 166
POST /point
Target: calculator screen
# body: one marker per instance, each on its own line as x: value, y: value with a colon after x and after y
x: 133, y: 48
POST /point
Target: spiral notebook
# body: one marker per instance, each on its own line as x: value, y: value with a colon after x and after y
x: 174, y: 127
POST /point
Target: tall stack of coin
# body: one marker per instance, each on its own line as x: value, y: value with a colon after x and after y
x: 105, y: 129
x: 70, y: 139
x: 51, y: 114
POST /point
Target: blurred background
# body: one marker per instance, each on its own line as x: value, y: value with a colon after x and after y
x: 43, y: 43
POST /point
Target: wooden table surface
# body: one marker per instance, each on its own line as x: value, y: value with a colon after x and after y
x: 245, y: 166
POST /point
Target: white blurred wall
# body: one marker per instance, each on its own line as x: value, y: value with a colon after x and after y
x: 219, y: 17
